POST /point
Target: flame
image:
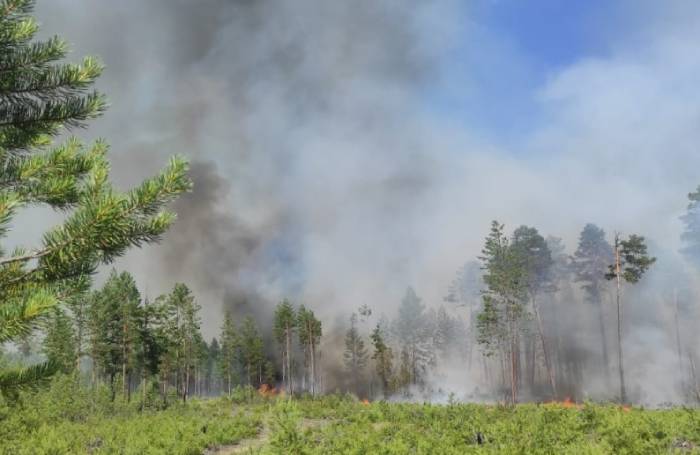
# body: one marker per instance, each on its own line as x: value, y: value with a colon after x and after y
x: 626, y: 408
x: 267, y: 391
x: 568, y: 403
x: 365, y: 402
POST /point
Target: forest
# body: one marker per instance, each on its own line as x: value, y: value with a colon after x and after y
x: 532, y: 337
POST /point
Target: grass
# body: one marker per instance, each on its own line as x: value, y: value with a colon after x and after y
x: 63, y: 420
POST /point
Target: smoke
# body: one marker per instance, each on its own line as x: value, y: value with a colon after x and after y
x: 327, y: 171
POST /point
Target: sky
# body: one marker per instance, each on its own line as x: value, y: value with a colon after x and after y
x: 345, y: 150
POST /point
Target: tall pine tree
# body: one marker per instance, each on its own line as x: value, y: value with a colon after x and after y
x: 284, y: 326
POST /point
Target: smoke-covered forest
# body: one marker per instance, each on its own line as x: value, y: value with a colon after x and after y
x: 327, y: 227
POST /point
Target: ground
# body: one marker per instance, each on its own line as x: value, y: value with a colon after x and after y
x: 249, y: 423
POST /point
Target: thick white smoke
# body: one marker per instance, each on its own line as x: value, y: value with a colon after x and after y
x: 325, y: 173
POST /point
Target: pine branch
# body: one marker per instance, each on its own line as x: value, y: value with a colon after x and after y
x: 20, y: 379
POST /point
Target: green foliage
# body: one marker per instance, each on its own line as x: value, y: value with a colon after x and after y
x: 413, y: 332
x: 634, y: 260
x: 383, y: 359
x: 59, y: 343
x: 114, y: 312
x: 287, y: 437
x: 40, y: 98
x: 355, y: 355
x: 691, y: 233
x: 531, y: 250
x: 506, y: 280
x: 69, y: 419
x: 230, y: 346
x: 591, y: 261
x: 252, y: 355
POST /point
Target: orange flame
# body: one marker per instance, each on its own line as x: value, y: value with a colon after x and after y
x: 365, y: 402
x: 568, y: 403
x: 266, y: 391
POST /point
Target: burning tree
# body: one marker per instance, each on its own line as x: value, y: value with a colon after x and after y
x: 631, y: 262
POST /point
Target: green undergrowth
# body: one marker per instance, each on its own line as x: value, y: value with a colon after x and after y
x: 68, y: 419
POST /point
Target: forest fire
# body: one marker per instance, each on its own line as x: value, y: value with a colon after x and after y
x: 567, y: 403
x: 267, y: 391
x: 365, y: 402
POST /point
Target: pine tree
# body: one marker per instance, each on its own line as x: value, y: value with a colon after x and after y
x: 284, y: 326
x: 214, y: 359
x: 383, y: 359
x: 465, y: 290
x: 631, y: 263
x: 500, y: 322
x: 691, y: 234
x: 230, y: 345
x: 59, y: 343
x: 355, y: 355
x: 532, y: 252
x: 114, y: 327
x: 39, y: 98
x: 149, y: 347
x: 590, y: 264
x: 413, y: 333
x: 252, y: 356
x: 445, y: 333
x: 184, y: 329
x: 309, y: 331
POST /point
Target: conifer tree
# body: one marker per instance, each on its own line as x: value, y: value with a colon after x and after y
x: 445, y: 332
x: 39, y: 98
x: 631, y: 263
x: 114, y: 327
x: 500, y: 322
x: 413, y: 333
x: 691, y: 233
x: 309, y: 331
x: 59, y: 344
x: 590, y: 264
x: 355, y: 355
x: 252, y: 356
x: 211, y: 376
x: 284, y: 326
x: 149, y: 346
x: 383, y: 360
x: 465, y: 290
x: 230, y: 345
x: 535, y: 258
x: 184, y: 329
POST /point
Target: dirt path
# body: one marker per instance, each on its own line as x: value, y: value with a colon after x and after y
x: 244, y: 445
x: 250, y: 445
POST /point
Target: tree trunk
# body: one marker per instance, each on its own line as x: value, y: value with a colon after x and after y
x: 603, y: 337
x: 289, y: 365
x: 694, y: 379
x: 623, y: 394
x: 678, y: 334
x: 545, y: 351
x: 313, y: 367
x: 186, y: 384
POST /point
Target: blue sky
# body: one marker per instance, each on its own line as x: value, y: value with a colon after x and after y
x: 507, y: 49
